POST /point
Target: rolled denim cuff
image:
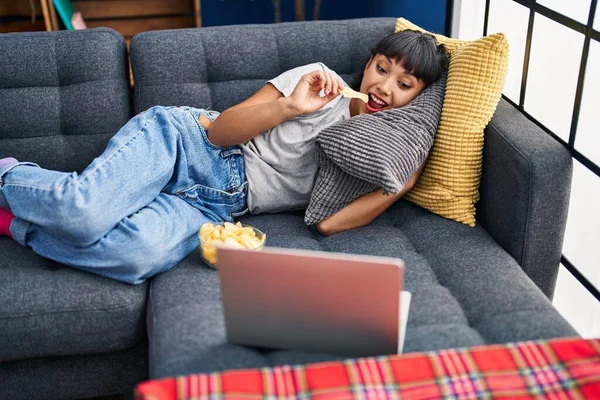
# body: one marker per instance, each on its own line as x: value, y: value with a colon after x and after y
x: 7, y: 168
x: 18, y: 230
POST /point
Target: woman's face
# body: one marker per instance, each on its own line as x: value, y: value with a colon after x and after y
x: 388, y: 85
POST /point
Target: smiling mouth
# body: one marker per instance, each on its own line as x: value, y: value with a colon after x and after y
x: 375, y: 103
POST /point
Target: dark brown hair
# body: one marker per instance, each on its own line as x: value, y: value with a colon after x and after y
x: 417, y: 52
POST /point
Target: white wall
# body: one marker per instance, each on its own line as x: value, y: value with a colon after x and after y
x: 553, y: 71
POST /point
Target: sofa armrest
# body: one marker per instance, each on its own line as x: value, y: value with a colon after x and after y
x: 525, y: 189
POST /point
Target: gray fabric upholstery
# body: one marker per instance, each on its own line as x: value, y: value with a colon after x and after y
x: 525, y: 189
x: 62, y: 94
x: 217, y: 67
x: 47, y: 309
x: 372, y: 151
x: 75, y: 377
x: 64, y: 333
x: 466, y: 291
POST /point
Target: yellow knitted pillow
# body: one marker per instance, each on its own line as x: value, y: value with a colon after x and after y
x: 449, y: 184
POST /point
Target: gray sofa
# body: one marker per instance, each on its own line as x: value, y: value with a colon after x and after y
x: 65, y: 333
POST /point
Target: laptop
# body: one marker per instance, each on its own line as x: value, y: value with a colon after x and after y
x: 312, y: 300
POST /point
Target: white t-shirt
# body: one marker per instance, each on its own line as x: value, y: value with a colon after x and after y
x: 281, y: 163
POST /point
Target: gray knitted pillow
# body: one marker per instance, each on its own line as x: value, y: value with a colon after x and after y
x: 371, y: 151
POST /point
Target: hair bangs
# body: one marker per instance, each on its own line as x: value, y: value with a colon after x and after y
x: 415, y: 51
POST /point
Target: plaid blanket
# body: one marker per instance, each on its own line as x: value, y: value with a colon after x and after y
x: 555, y: 369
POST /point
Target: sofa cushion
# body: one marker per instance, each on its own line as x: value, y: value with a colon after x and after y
x: 449, y: 184
x: 371, y: 151
x: 465, y: 291
x: 47, y: 309
x: 224, y: 66
x: 75, y: 377
x: 62, y: 94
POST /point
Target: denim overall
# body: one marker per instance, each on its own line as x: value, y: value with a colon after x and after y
x: 135, y: 211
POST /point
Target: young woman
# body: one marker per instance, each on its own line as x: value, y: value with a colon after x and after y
x: 135, y: 211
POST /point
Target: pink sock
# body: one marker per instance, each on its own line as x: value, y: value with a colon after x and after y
x: 6, y: 218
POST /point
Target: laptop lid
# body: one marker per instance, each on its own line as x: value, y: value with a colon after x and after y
x: 311, y: 300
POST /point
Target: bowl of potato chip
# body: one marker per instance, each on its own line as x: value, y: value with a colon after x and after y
x: 236, y: 236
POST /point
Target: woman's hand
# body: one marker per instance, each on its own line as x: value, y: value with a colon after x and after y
x: 305, y: 98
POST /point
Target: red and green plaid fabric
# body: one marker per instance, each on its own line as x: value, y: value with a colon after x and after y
x: 554, y: 369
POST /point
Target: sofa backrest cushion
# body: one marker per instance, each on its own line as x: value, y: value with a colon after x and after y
x: 218, y: 67
x: 62, y: 95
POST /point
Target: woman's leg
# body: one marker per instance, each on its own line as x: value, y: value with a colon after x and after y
x: 139, y: 162
x: 142, y: 245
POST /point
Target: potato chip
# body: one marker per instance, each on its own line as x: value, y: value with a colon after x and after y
x: 352, y: 94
